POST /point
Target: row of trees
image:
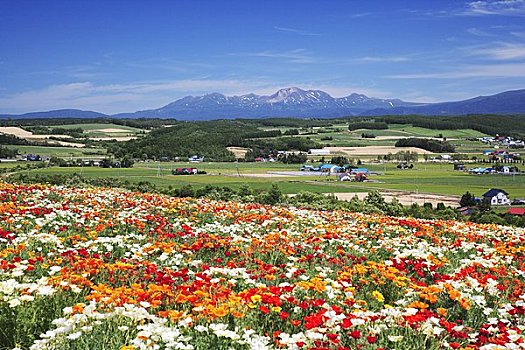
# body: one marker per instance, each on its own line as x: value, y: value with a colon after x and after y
x: 431, y: 145
x: 374, y: 125
x: 512, y: 125
x: 44, y: 130
x: 402, y: 156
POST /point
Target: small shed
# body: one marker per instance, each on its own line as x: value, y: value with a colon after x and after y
x: 496, y: 196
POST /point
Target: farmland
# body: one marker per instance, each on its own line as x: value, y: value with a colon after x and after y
x: 212, y: 138
x: 431, y: 178
x: 103, y: 268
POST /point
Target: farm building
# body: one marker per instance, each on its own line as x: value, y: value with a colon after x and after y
x: 331, y: 168
x: 184, y: 171
x: 495, y: 196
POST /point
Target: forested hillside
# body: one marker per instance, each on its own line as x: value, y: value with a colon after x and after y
x: 208, y: 139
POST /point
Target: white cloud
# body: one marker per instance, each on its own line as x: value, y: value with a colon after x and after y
x: 113, y: 98
x: 295, y: 31
x: 476, y: 71
x: 301, y: 56
x: 497, y: 7
x: 499, y: 51
x: 382, y: 59
x: 119, y: 98
x: 478, y: 32
x: 518, y: 34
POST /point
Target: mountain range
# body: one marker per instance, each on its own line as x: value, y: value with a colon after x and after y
x: 295, y: 102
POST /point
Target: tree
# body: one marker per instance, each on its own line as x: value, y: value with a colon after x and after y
x: 126, y: 162
x: 467, y: 200
x: 374, y: 198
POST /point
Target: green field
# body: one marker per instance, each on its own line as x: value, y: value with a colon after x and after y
x: 414, y: 131
x: 342, y: 137
x: 424, y: 178
x: 104, y: 130
x: 61, y: 152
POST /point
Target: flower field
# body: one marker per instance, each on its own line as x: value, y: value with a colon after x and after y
x: 90, y: 268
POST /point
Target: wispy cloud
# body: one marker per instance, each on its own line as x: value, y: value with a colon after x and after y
x: 172, y: 65
x: 499, y: 51
x: 115, y: 98
x: 478, y: 32
x: 475, y: 71
x: 497, y: 7
x: 302, y: 56
x: 518, y: 34
x: 118, y: 98
x: 295, y: 31
x: 361, y: 15
x: 382, y: 59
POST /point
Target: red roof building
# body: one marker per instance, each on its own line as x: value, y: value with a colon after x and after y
x: 516, y: 211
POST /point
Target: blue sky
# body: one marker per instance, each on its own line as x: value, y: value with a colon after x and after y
x: 120, y: 56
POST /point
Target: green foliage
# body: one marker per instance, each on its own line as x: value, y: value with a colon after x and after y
x: 340, y: 160
x: 292, y: 122
x: 375, y: 199
x: 373, y: 125
x: 273, y: 196
x: 467, y: 200
x: 208, y: 139
x: 403, y: 156
x: 43, y: 130
x: 12, y: 140
x: 293, y: 158
x: 7, y: 152
x: 291, y: 132
x: 428, y: 144
x: 511, y: 125
x: 140, y: 123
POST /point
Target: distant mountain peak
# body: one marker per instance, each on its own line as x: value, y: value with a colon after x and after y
x: 296, y: 102
x: 284, y: 94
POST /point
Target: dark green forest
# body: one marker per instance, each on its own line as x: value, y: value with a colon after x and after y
x: 428, y: 144
x: 509, y: 125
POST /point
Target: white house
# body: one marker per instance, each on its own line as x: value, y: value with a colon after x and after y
x: 495, y: 196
